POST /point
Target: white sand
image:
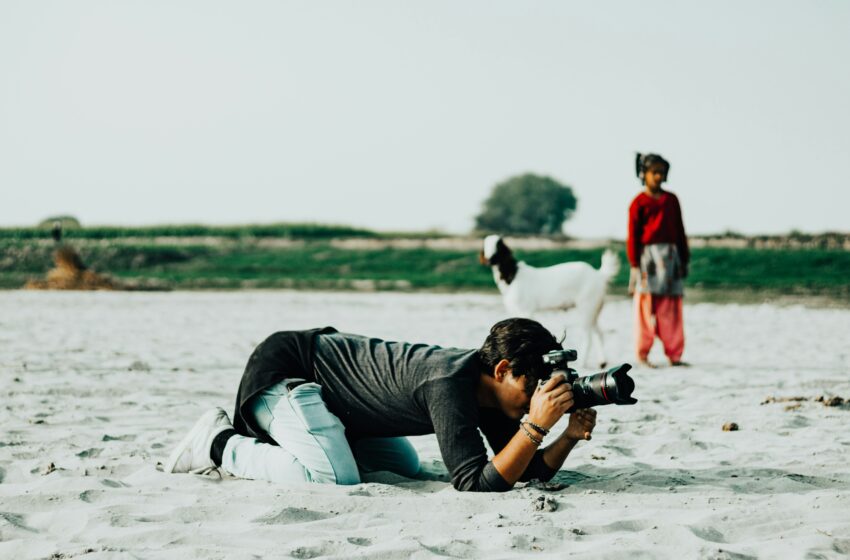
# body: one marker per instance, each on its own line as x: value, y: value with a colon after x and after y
x: 102, y: 385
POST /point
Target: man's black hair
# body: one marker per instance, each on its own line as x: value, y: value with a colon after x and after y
x: 522, y: 342
x: 645, y: 161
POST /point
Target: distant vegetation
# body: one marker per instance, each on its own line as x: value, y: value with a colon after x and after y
x: 286, y: 231
x: 527, y: 204
x: 67, y: 222
x: 319, y: 257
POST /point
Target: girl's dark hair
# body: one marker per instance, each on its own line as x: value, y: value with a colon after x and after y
x: 522, y: 342
x: 644, y: 161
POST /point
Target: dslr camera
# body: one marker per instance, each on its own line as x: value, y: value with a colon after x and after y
x: 608, y: 387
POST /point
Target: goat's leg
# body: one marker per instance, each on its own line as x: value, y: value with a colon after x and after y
x: 584, y: 324
x: 596, y: 332
x: 599, y: 343
x: 583, y: 344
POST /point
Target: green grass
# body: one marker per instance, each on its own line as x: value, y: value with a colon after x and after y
x: 315, y: 264
x: 282, y: 230
x: 791, y: 270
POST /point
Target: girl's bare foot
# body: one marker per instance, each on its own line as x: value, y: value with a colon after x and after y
x: 645, y: 363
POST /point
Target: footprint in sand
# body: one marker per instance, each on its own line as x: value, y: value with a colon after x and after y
x: 90, y: 453
x: 139, y: 365
x: 521, y: 542
x: 708, y: 533
x: 452, y: 549
x: 127, y: 437
x: 291, y: 515
x: 90, y: 496
x: 628, y: 526
x: 15, y: 520
x: 306, y: 552
x: 797, y: 421
x: 619, y: 450
x: 729, y: 555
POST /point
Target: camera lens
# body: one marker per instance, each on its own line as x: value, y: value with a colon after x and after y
x: 612, y: 386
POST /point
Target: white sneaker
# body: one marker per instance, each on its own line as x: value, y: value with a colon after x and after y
x: 193, y: 453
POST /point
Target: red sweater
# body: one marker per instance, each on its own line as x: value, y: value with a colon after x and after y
x: 656, y: 220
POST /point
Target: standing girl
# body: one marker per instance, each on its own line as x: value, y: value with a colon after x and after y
x: 658, y: 253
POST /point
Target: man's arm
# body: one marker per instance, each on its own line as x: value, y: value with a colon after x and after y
x: 548, y: 404
x: 456, y: 428
x: 500, y: 429
x: 513, y: 460
x: 454, y: 415
x: 580, y: 427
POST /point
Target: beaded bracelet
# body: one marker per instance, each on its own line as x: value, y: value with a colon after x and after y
x: 533, y: 439
x: 538, y: 428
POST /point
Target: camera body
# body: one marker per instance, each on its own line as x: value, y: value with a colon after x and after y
x: 613, y: 386
x: 560, y: 362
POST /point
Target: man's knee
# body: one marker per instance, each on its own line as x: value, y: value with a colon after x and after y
x: 346, y: 475
x: 395, y: 455
x: 299, y: 421
x: 409, y: 465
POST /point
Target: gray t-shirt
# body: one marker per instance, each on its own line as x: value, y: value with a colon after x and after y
x: 383, y: 389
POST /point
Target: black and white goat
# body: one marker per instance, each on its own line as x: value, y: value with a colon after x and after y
x: 526, y: 289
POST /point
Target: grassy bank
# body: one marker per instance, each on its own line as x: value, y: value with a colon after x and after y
x: 248, y: 232
x: 317, y: 263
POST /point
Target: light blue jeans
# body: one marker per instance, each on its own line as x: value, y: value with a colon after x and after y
x: 311, y: 444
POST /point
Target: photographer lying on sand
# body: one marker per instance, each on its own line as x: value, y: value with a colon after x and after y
x: 324, y: 406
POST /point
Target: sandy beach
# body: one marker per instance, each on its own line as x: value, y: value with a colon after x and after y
x: 98, y: 387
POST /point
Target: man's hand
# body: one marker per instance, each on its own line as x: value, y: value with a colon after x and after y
x: 581, y: 424
x: 550, y: 401
x: 579, y: 428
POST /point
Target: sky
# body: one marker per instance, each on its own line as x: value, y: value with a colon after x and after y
x: 400, y: 116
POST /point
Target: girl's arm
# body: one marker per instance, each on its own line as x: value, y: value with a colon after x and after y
x: 633, y: 245
x: 681, y: 237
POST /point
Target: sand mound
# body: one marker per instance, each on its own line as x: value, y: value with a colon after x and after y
x: 69, y: 273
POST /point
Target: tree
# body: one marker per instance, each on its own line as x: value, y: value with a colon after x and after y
x: 527, y: 204
x: 67, y: 222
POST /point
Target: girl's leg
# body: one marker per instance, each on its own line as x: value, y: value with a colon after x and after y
x: 395, y: 455
x: 671, y: 331
x: 311, y: 440
x: 644, y: 325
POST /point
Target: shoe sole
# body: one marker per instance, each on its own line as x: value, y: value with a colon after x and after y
x: 202, y: 422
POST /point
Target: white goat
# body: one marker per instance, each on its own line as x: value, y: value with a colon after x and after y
x: 526, y: 289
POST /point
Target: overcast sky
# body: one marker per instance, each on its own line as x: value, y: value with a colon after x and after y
x: 403, y: 115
